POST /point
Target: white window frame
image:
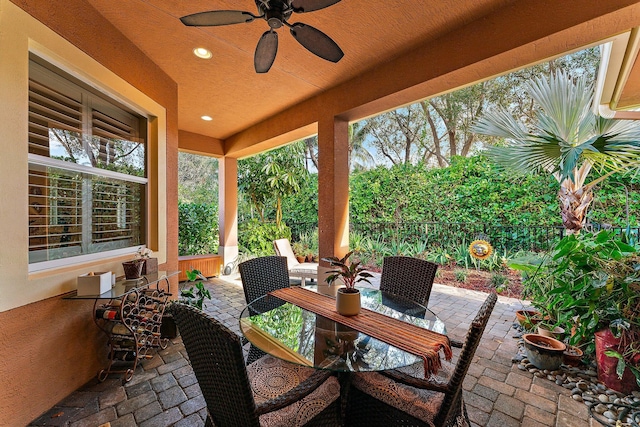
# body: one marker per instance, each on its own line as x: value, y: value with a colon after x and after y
x: 105, y: 102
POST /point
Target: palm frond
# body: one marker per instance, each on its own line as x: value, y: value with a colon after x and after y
x: 501, y: 124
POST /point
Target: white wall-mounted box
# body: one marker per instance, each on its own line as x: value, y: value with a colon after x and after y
x: 95, y: 284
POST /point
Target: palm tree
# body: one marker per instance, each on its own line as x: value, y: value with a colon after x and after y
x: 566, y: 140
x: 359, y: 157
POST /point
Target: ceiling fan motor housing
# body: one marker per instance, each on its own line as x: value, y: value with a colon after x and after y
x: 275, y: 12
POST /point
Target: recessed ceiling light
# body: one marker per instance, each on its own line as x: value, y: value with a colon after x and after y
x: 207, y: 118
x: 203, y: 53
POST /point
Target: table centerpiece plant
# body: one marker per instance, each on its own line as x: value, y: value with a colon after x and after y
x: 350, y: 273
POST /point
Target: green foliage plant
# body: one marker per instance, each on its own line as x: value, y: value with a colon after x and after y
x: 197, y: 229
x: 499, y: 282
x: 462, y: 256
x: 439, y: 256
x: 196, y: 294
x: 257, y: 237
x: 461, y: 275
x: 350, y: 272
x: 299, y: 249
x: 269, y: 177
x: 590, y: 282
x: 495, y: 262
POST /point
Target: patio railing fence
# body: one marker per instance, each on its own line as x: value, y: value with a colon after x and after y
x: 451, y: 235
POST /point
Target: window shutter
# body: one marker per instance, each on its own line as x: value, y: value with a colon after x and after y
x: 50, y: 114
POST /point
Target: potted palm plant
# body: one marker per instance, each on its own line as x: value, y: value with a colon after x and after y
x: 350, y: 273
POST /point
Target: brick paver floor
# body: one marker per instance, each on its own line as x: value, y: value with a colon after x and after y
x: 164, y: 391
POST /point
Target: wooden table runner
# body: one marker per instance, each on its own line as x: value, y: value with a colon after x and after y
x: 405, y: 336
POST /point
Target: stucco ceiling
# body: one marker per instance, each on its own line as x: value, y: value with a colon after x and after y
x: 226, y: 87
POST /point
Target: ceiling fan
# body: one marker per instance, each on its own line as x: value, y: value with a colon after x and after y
x: 277, y: 14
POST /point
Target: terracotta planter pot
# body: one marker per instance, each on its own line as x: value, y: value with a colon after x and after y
x: 544, y: 352
x: 301, y: 259
x: 572, y: 356
x: 528, y: 318
x: 556, y: 332
x: 607, y: 365
x: 348, y: 303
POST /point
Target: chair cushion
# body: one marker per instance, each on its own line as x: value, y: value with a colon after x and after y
x: 271, y: 377
x: 308, y: 268
x: 443, y: 375
x: 421, y: 404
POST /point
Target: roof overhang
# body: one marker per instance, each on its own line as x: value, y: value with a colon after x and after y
x: 617, y: 92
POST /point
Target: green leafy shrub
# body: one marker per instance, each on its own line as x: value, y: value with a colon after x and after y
x: 495, y: 262
x: 499, y: 281
x: 462, y: 256
x: 461, y: 274
x: 197, y: 228
x: 196, y: 294
x: 257, y: 237
x: 590, y: 281
x: 439, y: 256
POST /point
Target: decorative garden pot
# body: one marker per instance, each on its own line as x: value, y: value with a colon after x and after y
x: 544, y: 352
x: 133, y: 269
x: 528, y: 318
x: 572, y: 356
x: 607, y: 365
x: 348, y: 303
x: 547, y: 331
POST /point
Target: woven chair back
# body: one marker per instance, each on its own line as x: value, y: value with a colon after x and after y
x: 263, y: 275
x: 408, y: 277
x: 216, y: 356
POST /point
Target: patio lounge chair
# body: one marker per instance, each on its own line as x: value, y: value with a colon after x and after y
x: 408, y: 277
x: 265, y: 393
x: 303, y: 270
x: 403, y: 397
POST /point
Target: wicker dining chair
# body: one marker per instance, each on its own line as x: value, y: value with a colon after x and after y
x: 263, y: 275
x: 265, y: 393
x: 401, y: 398
x: 408, y: 277
x: 259, y: 277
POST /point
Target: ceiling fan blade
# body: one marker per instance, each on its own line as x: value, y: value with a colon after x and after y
x: 217, y: 17
x: 316, y: 42
x: 302, y: 6
x: 266, y: 52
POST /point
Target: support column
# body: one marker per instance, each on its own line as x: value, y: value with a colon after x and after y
x: 333, y: 186
x: 228, y: 209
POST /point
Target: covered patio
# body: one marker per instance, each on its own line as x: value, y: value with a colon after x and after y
x: 140, y: 56
x: 164, y: 391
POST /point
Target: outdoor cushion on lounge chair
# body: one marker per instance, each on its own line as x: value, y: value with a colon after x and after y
x: 303, y: 270
x: 403, y: 397
x: 269, y: 392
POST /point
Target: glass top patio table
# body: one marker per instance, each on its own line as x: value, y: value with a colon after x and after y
x: 291, y: 333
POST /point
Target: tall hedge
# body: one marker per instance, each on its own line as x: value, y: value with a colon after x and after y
x: 198, y: 230
x: 471, y: 190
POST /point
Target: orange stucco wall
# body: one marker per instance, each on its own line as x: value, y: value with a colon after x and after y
x: 50, y: 348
